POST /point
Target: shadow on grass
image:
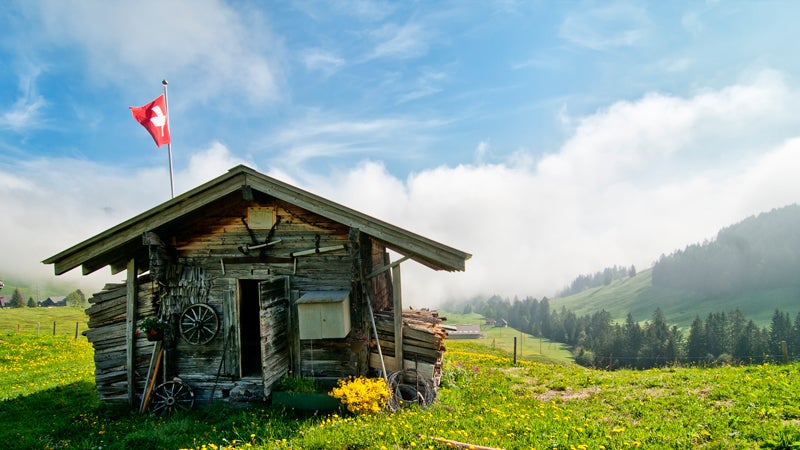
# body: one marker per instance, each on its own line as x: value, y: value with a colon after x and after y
x: 39, y: 420
x: 72, y: 416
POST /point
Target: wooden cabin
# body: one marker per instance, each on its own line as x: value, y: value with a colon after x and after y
x: 255, y: 278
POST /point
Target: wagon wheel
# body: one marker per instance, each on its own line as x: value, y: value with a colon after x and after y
x: 199, y: 324
x: 170, y: 397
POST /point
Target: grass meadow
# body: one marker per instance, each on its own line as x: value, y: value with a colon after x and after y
x: 48, y: 401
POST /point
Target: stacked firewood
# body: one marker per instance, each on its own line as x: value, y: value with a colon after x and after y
x: 423, y: 342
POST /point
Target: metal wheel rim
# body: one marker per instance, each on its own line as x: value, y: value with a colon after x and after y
x: 170, y: 397
x: 199, y: 324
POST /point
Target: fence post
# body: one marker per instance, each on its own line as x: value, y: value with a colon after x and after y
x: 785, y: 351
x: 515, y: 350
x: 17, y: 328
x: 38, y: 328
x: 54, y: 328
x: 76, y: 329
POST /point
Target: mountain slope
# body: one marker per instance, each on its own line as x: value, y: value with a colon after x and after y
x: 636, y: 295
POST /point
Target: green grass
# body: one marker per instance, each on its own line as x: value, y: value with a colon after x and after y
x: 462, y: 319
x: 529, y: 347
x: 41, y: 320
x: 48, y: 401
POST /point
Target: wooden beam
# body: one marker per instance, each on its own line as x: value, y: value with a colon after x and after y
x: 397, y: 294
x: 130, y: 328
x: 380, y: 270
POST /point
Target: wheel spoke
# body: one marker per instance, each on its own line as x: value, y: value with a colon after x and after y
x: 199, y: 324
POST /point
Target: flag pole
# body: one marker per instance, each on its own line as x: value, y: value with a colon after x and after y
x: 169, y: 144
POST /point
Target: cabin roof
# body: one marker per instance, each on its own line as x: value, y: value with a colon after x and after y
x: 111, y: 246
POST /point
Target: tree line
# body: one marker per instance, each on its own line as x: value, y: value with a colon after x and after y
x: 598, y: 341
x: 600, y: 278
x: 75, y: 298
x: 761, y: 252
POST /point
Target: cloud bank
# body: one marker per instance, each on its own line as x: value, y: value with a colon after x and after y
x: 632, y: 181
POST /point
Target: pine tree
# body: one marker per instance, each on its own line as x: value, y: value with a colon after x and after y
x: 31, y: 302
x: 696, y: 345
x: 17, y: 299
x: 780, y: 330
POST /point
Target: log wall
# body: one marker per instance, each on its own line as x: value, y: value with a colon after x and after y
x: 212, y: 244
x: 199, y: 259
x: 107, y: 335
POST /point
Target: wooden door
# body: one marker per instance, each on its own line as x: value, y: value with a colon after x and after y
x: 274, y: 314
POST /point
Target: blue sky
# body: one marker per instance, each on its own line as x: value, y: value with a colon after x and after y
x: 548, y: 139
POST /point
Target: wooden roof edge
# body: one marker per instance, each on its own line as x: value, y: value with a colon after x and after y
x: 433, y: 254
x: 71, y: 258
x: 395, y: 237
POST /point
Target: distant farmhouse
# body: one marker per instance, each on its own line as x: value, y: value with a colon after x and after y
x: 53, y: 301
x: 464, y: 331
x: 497, y: 323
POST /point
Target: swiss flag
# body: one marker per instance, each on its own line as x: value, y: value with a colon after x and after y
x: 153, y: 116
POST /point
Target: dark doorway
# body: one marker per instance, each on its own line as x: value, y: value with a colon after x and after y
x: 249, y: 328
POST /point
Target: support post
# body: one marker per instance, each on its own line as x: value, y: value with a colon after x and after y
x: 515, y: 350
x: 397, y: 294
x: 130, y: 328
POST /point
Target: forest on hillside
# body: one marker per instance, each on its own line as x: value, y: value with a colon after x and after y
x: 597, y: 341
x: 760, y: 252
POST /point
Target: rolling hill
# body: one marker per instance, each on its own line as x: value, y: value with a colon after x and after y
x: 752, y: 266
x: 638, y: 296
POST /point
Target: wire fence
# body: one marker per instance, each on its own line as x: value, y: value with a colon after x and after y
x: 71, y: 329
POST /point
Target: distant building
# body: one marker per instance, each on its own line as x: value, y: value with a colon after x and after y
x: 502, y: 323
x: 464, y: 331
x: 53, y: 301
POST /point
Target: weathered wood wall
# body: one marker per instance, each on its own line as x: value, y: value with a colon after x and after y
x: 212, y: 243
x: 198, y: 259
x: 381, y: 284
x: 107, y: 335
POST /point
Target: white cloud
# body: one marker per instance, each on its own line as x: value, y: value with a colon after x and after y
x: 320, y: 60
x: 402, y: 42
x: 321, y: 134
x: 634, y: 180
x: 605, y: 27
x: 25, y: 113
x: 207, y: 164
x: 425, y: 85
x: 206, y: 44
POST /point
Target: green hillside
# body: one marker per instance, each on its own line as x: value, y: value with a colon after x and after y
x: 636, y: 295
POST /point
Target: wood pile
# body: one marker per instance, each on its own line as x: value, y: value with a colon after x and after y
x: 423, y: 342
x: 107, y: 334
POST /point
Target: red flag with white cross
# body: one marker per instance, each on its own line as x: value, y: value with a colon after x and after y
x: 153, y: 116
